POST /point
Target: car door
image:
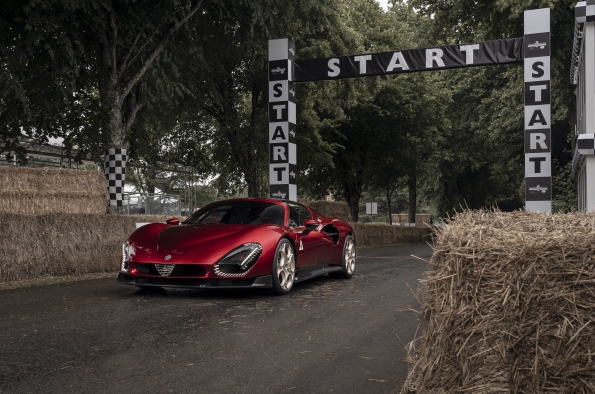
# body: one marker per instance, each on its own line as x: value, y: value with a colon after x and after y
x: 311, y: 246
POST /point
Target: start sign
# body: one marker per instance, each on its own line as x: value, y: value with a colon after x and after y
x: 533, y: 49
x: 398, y: 62
x: 282, y: 121
x: 538, y: 156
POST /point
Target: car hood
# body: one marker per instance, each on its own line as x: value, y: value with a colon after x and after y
x: 187, y: 236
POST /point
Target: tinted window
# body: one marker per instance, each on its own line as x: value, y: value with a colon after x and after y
x: 297, y: 214
x: 239, y: 212
x: 215, y: 215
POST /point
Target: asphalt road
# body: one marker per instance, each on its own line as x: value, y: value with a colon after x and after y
x: 327, y: 335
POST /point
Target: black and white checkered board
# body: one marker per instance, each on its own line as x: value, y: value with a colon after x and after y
x: 585, y: 11
x: 115, y: 175
x: 585, y: 144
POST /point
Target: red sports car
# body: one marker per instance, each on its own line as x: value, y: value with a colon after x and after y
x: 246, y: 242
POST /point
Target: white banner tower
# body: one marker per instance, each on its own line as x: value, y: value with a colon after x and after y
x: 583, y: 76
x: 538, y: 147
x: 282, y: 120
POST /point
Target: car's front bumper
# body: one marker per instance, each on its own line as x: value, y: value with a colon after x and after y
x: 235, y: 283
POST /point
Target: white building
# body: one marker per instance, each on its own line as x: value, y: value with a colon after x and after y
x: 583, y: 76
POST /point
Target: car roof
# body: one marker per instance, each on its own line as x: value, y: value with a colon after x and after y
x: 277, y: 201
x: 257, y: 199
x: 264, y: 199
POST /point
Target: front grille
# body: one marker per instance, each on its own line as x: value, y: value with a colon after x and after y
x: 178, y: 270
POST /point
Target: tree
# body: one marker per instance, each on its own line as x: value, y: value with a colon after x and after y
x: 228, y: 90
x: 343, y: 114
x: 482, y: 157
x: 119, y: 41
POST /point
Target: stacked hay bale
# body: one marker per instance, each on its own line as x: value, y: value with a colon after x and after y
x: 38, y: 191
x: 421, y: 219
x: 372, y: 234
x: 385, y: 235
x: 338, y: 209
x: 508, y: 307
x: 53, y: 223
x: 63, y: 244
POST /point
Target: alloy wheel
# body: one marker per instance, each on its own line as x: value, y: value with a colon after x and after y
x: 286, y: 266
x: 350, y: 256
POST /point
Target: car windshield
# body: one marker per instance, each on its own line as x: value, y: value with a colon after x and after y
x: 239, y: 212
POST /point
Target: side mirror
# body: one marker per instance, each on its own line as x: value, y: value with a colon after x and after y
x: 173, y: 221
x: 311, y: 224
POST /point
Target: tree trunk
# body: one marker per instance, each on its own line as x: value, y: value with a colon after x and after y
x: 151, y: 176
x: 352, y: 194
x: 353, y: 203
x: 251, y: 173
x: 253, y: 188
x: 252, y: 170
x: 120, y: 94
x: 243, y: 141
x: 412, y: 185
x: 116, y: 153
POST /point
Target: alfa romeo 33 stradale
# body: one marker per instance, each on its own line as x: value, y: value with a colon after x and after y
x: 240, y: 243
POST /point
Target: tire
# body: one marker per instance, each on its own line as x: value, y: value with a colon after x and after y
x: 283, y: 268
x: 347, y: 260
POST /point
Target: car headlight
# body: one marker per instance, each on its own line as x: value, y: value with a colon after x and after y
x: 126, y: 249
x: 240, y: 260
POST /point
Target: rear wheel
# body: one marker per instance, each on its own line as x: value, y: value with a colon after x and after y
x: 347, y: 261
x: 283, y: 270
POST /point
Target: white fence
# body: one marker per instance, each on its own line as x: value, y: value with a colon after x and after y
x: 152, y: 204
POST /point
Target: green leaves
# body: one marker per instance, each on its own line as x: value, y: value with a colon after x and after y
x: 87, y: 71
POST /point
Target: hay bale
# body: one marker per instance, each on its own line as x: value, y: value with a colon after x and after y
x: 421, y: 219
x: 59, y: 244
x: 383, y: 234
x: 32, y: 246
x: 39, y: 191
x: 509, y: 306
x: 338, y: 209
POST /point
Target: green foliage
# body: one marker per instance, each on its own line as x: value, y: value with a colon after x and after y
x: 372, y: 132
x: 565, y: 191
x: 482, y: 154
x: 96, y: 74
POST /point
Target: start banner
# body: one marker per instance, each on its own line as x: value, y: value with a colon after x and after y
x: 396, y: 62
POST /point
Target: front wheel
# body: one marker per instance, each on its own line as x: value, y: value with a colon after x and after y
x: 347, y: 261
x: 283, y: 270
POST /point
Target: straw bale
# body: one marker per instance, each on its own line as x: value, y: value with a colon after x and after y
x: 57, y: 244
x: 335, y: 209
x: 63, y: 244
x: 38, y: 191
x: 383, y: 234
x: 371, y: 234
x: 508, y: 306
x: 421, y: 219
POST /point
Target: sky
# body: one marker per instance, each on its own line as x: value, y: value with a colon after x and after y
x: 383, y: 4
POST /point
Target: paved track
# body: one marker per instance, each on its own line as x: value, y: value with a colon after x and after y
x: 327, y: 335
